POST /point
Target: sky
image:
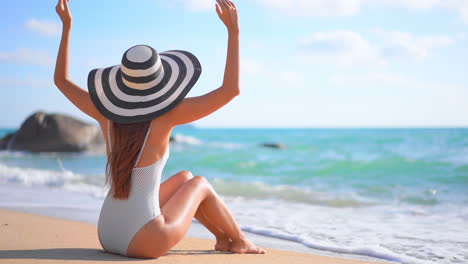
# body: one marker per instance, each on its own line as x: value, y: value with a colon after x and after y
x: 304, y: 63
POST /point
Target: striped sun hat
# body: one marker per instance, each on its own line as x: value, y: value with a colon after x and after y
x: 145, y: 85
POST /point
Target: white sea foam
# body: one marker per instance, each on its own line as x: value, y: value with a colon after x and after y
x: 398, y: 232
x: 183, y: 139
x: 22, y: 154
x: 386, y: 232
x: 13, y: 153
x: 226, y: 145
x: 190, y: 140
x: 29, y: 176
x: 261, y: 190
x: 64, y: 179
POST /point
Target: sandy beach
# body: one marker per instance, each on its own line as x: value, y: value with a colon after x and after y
x: 30, y: 238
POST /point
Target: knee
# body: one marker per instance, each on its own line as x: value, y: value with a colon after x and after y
x: 185, y: 175
x: 202, y: 181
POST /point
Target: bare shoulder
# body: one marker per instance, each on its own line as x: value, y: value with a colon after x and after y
x: 161, y: 129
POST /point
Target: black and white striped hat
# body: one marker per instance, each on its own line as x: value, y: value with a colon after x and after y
x: 146, y: 84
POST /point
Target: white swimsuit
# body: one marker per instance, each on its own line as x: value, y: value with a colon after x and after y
x: 119, y: 220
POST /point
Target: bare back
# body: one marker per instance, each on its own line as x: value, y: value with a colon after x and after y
x: 157, y: 142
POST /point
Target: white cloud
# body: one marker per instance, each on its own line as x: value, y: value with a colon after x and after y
x: 348, y: 48
x: 27, y: 56
x: 404, y: 44
x: 413, y: 4
x: 459, y: 5
x: 464, y: 12
x: 317, y: 8
x: 44, y: 27
x: 323, y: 8
x: 314, y: 7
x: 340, y: 47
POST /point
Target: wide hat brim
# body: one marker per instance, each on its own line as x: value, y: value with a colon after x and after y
x: 122, y: 104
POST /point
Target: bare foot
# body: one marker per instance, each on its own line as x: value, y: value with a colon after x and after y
x: 223, y: 244
x: 245, y: 246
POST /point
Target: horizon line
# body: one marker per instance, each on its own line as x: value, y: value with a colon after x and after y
x: 316, y: 127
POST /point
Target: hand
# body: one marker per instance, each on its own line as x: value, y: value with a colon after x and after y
x: 227, y: 12
x: 64, y: 12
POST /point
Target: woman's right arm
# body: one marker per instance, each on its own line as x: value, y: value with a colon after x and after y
x: 77, y: 95
x: 194, y: 108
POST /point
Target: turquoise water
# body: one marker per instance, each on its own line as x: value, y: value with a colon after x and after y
x: 408, y: 165
x: 420, y: 176
x: 422, y: 166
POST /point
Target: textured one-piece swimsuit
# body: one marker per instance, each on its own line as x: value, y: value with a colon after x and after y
x: 120, y: 220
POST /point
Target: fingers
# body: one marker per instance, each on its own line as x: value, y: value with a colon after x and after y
x: 65, y: 4
x: 232, y: 9
x: 218, y: 10
x: 223, y: 4
x: 232, y: 4
x: 61, y: 5
x: 227, y: 3
x: 227, y: 12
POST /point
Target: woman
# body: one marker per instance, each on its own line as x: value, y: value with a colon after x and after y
x: 137, y: 104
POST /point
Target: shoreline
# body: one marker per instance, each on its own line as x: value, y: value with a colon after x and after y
x: 33, y: 238
x: 82, y: 208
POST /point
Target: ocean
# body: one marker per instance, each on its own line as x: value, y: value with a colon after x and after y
x: 395, y: 194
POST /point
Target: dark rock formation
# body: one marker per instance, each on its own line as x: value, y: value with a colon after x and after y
x: 6, y: 140
x: 273, y: 145
x: 42, y: 132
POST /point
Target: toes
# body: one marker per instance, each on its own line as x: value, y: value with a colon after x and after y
x: 255, y: 250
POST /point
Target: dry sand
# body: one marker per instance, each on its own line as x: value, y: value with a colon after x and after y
x: 29, y: 238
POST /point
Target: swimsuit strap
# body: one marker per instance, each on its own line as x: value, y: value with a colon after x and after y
x: 108, y: 135
x: 142, y: 147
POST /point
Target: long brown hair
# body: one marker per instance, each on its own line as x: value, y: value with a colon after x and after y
x: 127, y: 140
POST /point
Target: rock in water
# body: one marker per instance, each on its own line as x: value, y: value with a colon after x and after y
x: 42, y: 132
x: 4, y: 142
x: 273, y: 145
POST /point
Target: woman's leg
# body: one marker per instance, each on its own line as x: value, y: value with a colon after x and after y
x: 179, y: 210
x: 167, y: 190
x: 159, y: 235
x: 219, y: 215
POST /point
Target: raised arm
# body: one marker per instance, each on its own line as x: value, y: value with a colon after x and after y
x: 78, y: 96
x: 194, y: 108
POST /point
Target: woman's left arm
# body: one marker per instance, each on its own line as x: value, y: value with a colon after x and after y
x: 78, y: 96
